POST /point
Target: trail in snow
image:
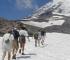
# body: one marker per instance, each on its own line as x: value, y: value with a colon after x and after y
x: 58, y: 48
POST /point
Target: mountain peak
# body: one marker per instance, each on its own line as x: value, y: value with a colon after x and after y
x: 64, y: 8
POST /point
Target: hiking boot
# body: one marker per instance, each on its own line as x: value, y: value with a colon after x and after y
x: 23, y: 54
x: 14, y: 56
x: 35, y: 45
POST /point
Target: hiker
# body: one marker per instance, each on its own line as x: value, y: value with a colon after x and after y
x: 15, y: 42
x: 37, y: 38
x: 43, y: 33
x: 22, y: 39
x: 7, y: 44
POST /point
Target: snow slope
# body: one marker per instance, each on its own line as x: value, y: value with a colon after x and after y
x: 58, y: 48
x: 44, y: 24
x: 65, y: 7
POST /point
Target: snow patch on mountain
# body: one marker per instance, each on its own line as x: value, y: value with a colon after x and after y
x: 44, y: 24
x: 65, y: 7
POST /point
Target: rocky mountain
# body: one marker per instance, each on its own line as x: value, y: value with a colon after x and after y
x: 4, y: 24
x: 51, y: 17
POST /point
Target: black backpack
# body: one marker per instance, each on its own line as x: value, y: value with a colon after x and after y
x: 43, y: 33
x: 15, y: 33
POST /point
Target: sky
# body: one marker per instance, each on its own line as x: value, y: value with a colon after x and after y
x: 18, y: 9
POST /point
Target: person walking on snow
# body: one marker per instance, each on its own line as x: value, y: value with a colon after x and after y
x: 43, y: 33
x: 22, y: 39
x: 15, y: 42
x: 37, y: 37
x: 7, y: 44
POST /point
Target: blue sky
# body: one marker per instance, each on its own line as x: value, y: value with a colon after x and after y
x: 17, y: 9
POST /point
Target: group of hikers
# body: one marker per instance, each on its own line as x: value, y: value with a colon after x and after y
x: 14, y: 40
x: 39, y: 37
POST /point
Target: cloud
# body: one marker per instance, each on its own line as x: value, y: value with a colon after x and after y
x: 24, y: 3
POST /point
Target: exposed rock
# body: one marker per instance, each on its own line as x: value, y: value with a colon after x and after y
x: 4, y: 24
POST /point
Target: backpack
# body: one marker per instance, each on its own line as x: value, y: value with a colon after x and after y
x: 15, y: 33
x: 36, y: 35
x: 7, y: 41
x: 43, y: 33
